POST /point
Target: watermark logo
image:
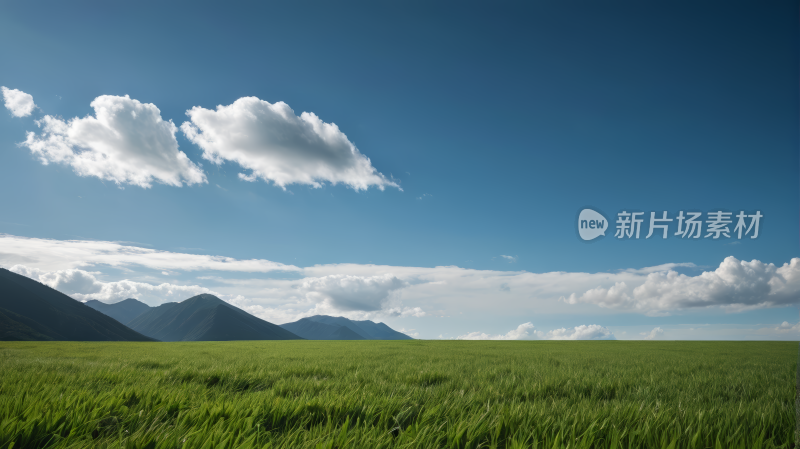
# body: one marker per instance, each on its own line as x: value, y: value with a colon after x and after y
x: 718, y: 224
x: 591, y: 224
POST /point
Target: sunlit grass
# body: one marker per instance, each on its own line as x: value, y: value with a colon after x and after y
x: 405, y: 394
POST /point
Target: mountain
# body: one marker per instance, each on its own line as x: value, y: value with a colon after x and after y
x: 323, y: 327
x: 30, y: 310
x: 124, y: 311
x: 205, y: 318
x: 313, y: 330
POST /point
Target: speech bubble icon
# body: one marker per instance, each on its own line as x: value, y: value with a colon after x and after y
x: 591, y: 224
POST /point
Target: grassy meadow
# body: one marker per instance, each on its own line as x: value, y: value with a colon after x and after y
x: 398, y: 394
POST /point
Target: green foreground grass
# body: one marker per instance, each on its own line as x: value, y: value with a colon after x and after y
x: 404, y: 394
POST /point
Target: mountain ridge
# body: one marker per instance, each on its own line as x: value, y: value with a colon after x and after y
x: 123, y: 311
x: 323, y: 327
x: 30, y: 310
x: 205, y: 318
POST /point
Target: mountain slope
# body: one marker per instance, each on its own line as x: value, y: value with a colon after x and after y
x: 33, y: 311
x: 205, y: 318
x: 343, y: 333
x: 322, y: 327
x: 124, y: 311
x: 366, y: 328
x: 14, y: 327
x: 314, y: 330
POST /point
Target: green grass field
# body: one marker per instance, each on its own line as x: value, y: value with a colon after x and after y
x: 381, y: 394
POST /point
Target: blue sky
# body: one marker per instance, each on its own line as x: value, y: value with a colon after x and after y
x: 487, y: 126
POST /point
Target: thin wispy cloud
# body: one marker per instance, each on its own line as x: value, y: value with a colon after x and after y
x: 53, y: 255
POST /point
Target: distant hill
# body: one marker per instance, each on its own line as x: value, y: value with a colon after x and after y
x: 323, y: 327
x: 30, y: 310
x: 205, y: 318
x: 314, y: 330
x: 124, y: 311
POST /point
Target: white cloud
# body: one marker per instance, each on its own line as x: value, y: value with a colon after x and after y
x: 655, y: 333
x: 657, y: 268
x: 787, y: 326
x: 293, y: 309
x: 346, y: 292
x: 278, y: 146
x: 736, y: 285
x: 583, y: 332
x: 18, y: 102
x: 410, y: 332
x: 53, y: 255
x: 510, y: 259
x: 404, y: 312
x: 519, y: 333
x: 356, y: 297
x: 83, y: 286
x: 282, y: 293
x: 126, y: 142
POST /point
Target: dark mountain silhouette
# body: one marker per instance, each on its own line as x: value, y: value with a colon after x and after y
x: 30, y: 310
x: 205, y: 318
x: 323, y: 327
x: 123, y: 311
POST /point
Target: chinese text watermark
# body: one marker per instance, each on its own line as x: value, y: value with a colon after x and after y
x: 687, y: 225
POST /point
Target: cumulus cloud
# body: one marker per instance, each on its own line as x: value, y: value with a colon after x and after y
x: 346, y: 292
x: 126, y: 142
x: 83, y: 286
x: 787, y: 326
x: 18, y: 102
x: 510, y: 259
x: 736, y: 285
x: 520, y: 333
x: 655, y: 333
x: 590, y: 332
x: 276, y: 145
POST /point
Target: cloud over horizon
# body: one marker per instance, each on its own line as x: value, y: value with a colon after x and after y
x: 583, y: 332
x: 347, y: 292
x: 280, y: 293
x: 277, y: 146
x: 736, y: 285
x: 655, y: 333
x: 526, y: 331
x: 126, y: 142
x: 520, y: 333
x: 83, y: 286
